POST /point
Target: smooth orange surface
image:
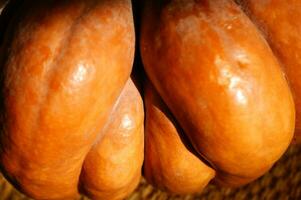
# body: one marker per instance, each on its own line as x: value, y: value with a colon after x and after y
x: 65, y: 64
x: 170, y: 163
x: 112, y: 169
x: 280, y: 22
x: 221, y: 81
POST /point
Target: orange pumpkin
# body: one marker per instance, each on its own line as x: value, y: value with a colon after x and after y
x: 170, y: 162
x: 68, y: 105
x: 224, y: 89
x: 280, y: 23
x: 218, y: 106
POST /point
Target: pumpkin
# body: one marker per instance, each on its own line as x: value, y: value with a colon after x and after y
x: 166, y: 145
x: 72, y: 119
x: 280, y: 23
x: 224, y: 90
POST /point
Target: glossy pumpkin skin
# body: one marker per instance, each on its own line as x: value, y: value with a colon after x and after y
x: 64, y: 66
x: 280, y: 22
x: 221, y: 81
x: 169, y: 162
x: 112, y: 169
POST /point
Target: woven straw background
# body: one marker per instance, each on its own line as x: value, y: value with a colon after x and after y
x: 282, y: 182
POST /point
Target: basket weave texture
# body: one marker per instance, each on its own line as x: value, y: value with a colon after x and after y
x: 282, y: 182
